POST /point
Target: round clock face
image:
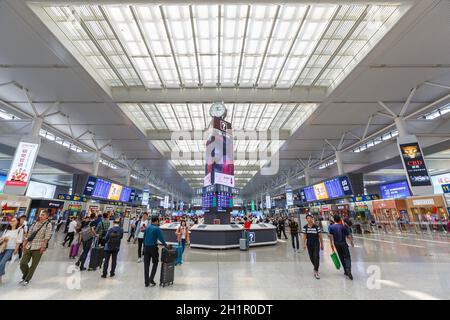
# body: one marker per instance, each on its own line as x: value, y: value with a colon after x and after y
x: 218, y: 110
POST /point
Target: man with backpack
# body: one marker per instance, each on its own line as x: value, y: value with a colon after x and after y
x: 113, y: 239
x: 102, y: 228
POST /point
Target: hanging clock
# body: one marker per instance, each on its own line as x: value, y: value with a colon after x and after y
x: 218, y: 110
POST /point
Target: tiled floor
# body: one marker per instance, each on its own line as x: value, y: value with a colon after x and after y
x: 384, y: 267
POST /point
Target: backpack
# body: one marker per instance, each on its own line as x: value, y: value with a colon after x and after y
x: 114, y: 241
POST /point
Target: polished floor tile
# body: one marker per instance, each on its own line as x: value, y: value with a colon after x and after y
x: 385, y: 266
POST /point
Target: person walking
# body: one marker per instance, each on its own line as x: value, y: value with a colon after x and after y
x: 102, y: 228
x: 151, y: 252
x: 282, y: 227
x: 132, y: 229
x: 70, y: 232
x: 313, y: 241
x: 140, y: 229
x: 293, y: 229
x: 338, y: 240
x: 113, y: 239
x: 183, y: 238
x: 87, y: 236
x: 10, y: 242
x: 23, y: 224
x: 34, y: 246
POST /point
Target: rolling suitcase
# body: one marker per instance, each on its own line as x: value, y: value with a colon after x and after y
x: 97, y: 255
x: 169, y: 254
x: 167, y: 274
x: 74, y: 248
x: 243, y: 244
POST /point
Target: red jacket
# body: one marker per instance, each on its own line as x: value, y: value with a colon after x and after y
x: 247, y: 225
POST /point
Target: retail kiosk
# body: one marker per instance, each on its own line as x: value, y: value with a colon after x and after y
x: 427, y: 211
x: 223, y: 236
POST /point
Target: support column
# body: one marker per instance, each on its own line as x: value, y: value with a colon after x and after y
x: 98, y: 156
x: 36, y: 126
x: 401, y: 126
x: 339, y: 162
x: 128, y: 178
x: 307, y: 179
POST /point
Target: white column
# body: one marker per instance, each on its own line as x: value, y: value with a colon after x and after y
x: 339, y: 162
x: 36, y: 126
x: 401, y: 126
x: 128, y: 177
x: 96, y: 165
x: 306, y: 173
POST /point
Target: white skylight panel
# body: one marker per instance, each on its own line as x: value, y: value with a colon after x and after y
x: 182, y: 115
x: 284, y: 34
x: 240, y: 112
x: 259, y: 27
x: 282, y: 115
x: 154, y: 115
x: 233, y: 25
x: 207, y: 25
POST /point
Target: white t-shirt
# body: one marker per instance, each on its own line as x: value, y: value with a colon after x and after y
x: 72, y: 226
x: 183, y: 232
x: 14, y: 237
x: 142, y: 227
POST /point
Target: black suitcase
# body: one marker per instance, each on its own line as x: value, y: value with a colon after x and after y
x: 96, y: 260
x: 169, y: 254
x: 167, y: 274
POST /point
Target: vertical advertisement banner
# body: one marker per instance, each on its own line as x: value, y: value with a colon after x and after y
x: 21, y: 167
x: 414, y: 164
x: 166, y: 202
x: 268, y: 202
x: 289, y: 198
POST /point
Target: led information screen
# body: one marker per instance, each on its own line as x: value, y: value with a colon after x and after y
x: 101, y: 189
x: 415, y: 165
x: 337, y: 187
x: 395, y: 190
x: 114, y: 191
x: 125, y: 195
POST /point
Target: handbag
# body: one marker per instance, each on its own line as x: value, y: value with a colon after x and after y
x: 3, y: 243
x: 335, y: 259
x: 33, y: 235
x: 87, y: 234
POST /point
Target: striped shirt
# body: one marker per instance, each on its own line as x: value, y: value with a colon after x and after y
x: 312, y: 234
x: 44, y: 233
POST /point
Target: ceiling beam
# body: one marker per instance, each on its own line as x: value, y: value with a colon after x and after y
x: 238, y: 135
x: 228, y: 95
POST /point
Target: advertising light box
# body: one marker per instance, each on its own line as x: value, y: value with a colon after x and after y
x: 440, y: 180
x: 414, y: 164
x: 2, y: 182
x: 90, y: 186
x: 320, y: 191
x: 114, y: 192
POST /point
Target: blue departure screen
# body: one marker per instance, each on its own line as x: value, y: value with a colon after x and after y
x: 101, y: 189
x: 395, y: 190
x: 309, y: 193
x: 346, y: 185
x: 125, y: 195
x: 334, y: 188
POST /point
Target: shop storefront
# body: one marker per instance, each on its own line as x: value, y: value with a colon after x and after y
x: 53, y: 207
x: 428, y: 213
x: 390, y: 214
x: 11, y: 206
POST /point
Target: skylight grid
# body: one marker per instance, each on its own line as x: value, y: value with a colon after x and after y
x: 265, y: 45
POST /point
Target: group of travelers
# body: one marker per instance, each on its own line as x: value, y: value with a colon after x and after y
x: 30, y: 243
x: 339, y: 232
